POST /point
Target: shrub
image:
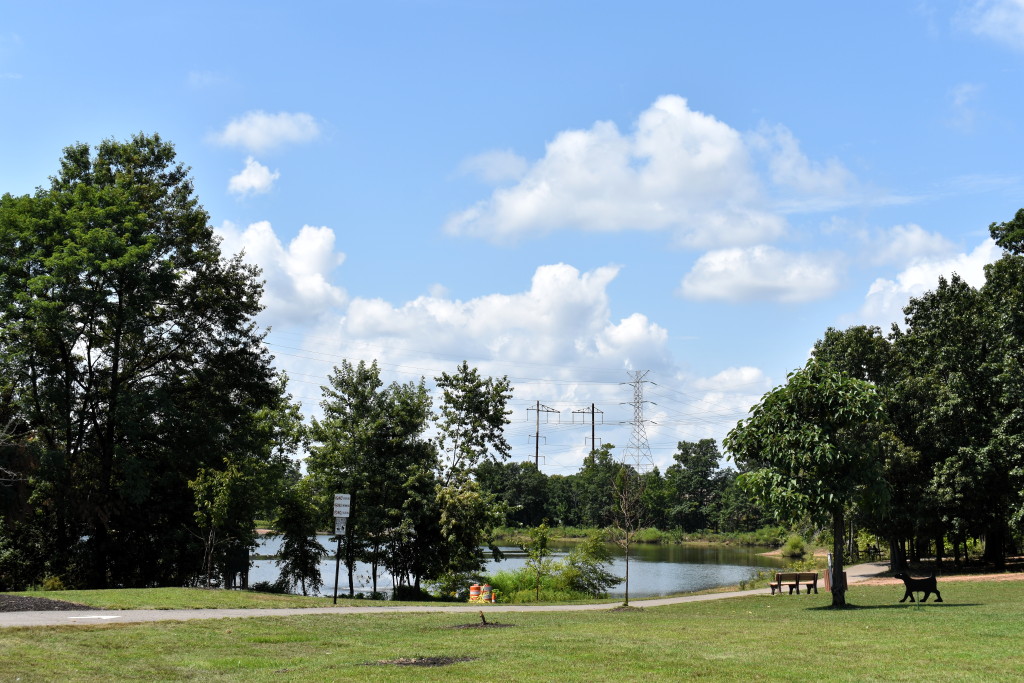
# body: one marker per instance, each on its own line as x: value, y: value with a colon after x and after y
x: 52, y: 583
x: 794, y: 547
x: 269, y: 587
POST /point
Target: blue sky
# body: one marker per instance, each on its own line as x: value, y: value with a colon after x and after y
x: 560, y: 192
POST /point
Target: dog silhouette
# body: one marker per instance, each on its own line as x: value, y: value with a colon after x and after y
x: 926, y: 585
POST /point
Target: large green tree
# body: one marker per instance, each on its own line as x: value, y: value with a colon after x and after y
x: 369, y: 444
x: 131, y: 349
x: 810, y: 447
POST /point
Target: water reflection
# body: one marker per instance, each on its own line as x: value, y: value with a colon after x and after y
x: 654, y: 570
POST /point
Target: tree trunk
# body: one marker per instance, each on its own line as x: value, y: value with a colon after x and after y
x: 994, y: 541
x: 940, y: 549
x: 838, y: 589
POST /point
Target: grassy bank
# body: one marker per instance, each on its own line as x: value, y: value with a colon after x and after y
x: 767, y: 536
x: 974, y: 635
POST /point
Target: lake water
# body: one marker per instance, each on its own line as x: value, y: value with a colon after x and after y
x: 654, y: 570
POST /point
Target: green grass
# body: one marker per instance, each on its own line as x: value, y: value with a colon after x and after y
x: 180, y: 598
x: 974, y: 635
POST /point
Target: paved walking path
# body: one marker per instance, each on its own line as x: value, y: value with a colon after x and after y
x: 854, y: 574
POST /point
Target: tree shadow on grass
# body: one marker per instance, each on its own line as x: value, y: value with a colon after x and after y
x: 912, y: 605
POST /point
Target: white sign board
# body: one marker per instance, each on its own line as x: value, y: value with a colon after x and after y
x: 342, y: 504
x: 340, y: 524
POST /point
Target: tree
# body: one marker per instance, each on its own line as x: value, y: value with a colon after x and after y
x: 369, y: 444
x: 300, y: 554
x: 811, y: 447
x: 696, y: 484
x: 521, y: 486
x: 628, y: 513
x: 472, y: 421
x: 947, y: 403
x: 595, y: 487
x: 133, y: 356
x: 538, y: 553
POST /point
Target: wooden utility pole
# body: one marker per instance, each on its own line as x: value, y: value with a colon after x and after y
x: 540, y: 409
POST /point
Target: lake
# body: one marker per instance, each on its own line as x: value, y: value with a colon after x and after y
x: 654, y: 570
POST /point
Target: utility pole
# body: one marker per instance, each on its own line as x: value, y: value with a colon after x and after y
x: 593, y: 411
x: 540, y: 409
x: 638, y: 452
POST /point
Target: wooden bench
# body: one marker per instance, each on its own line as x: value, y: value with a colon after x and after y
x: 793, y: 580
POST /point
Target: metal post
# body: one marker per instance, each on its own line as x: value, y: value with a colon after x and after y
x: 337, y: 569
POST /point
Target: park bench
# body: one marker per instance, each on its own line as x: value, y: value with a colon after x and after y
x: 793, y: 580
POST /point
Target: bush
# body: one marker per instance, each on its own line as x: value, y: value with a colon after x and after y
x: 278, y: 586
x: 52, y: 583
x: 794, y: 547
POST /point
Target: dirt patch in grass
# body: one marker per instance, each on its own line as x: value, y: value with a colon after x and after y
x: 25, y: 603
x: 489, y: 624
x: 420, y: 661
x: 626, y: 608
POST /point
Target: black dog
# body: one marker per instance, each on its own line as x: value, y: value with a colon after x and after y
x: 926, y: 586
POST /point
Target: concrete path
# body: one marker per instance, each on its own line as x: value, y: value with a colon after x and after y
x: 854, y: 574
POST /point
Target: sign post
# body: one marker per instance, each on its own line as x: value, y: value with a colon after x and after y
x: 342, y: 509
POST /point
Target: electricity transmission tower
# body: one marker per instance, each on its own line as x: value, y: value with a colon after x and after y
x: 638, y: 452
x: 540, y: 409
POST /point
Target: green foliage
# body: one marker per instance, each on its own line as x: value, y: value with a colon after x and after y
x: 300, y: 555
x: 280, y: 586
x: 584, y: 570
x: 811, y: 449
x: 538, y: 553
x: 794, y: 547
x: 370, y: 444
x: 473, y: 416
x: 52, y: 583
x: 128, y: 349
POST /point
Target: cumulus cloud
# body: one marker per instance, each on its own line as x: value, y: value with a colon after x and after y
x: 495, y: 166
x: 886, y: 298
x: 904, y: 244
x: 255, y: 178
x: 761, y: 273
x: 563, y: 318
x: 743, y: 378
x: 1000, y: 20
x: 678, y: 169
x: 258, y: 131
x: 298, y: 277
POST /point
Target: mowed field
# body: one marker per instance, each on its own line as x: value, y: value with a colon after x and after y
x: 976, y: 634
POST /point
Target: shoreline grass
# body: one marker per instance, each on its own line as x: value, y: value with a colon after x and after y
x: 974, y: 635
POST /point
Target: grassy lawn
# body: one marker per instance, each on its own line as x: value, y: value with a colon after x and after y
x: 975, y: 635
x: 182, y: 598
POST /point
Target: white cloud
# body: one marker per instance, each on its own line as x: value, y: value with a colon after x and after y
x: 255, y: 178
x: 964, y: 113
x: 886, y: 298
x: 298, y: 278
x: 1000, y: 20
x: 679, y: 169
x: 495, y: 166
x: 563, y: 318
x: 790, y: 168
x: 761, y: 273
x: 258, y: 131
x: 743, y: 378
x: 905, y: 244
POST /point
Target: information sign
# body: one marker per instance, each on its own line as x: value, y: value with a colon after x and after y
x: 342, y: 504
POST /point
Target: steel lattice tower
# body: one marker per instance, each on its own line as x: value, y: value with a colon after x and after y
x: 638, y: 452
